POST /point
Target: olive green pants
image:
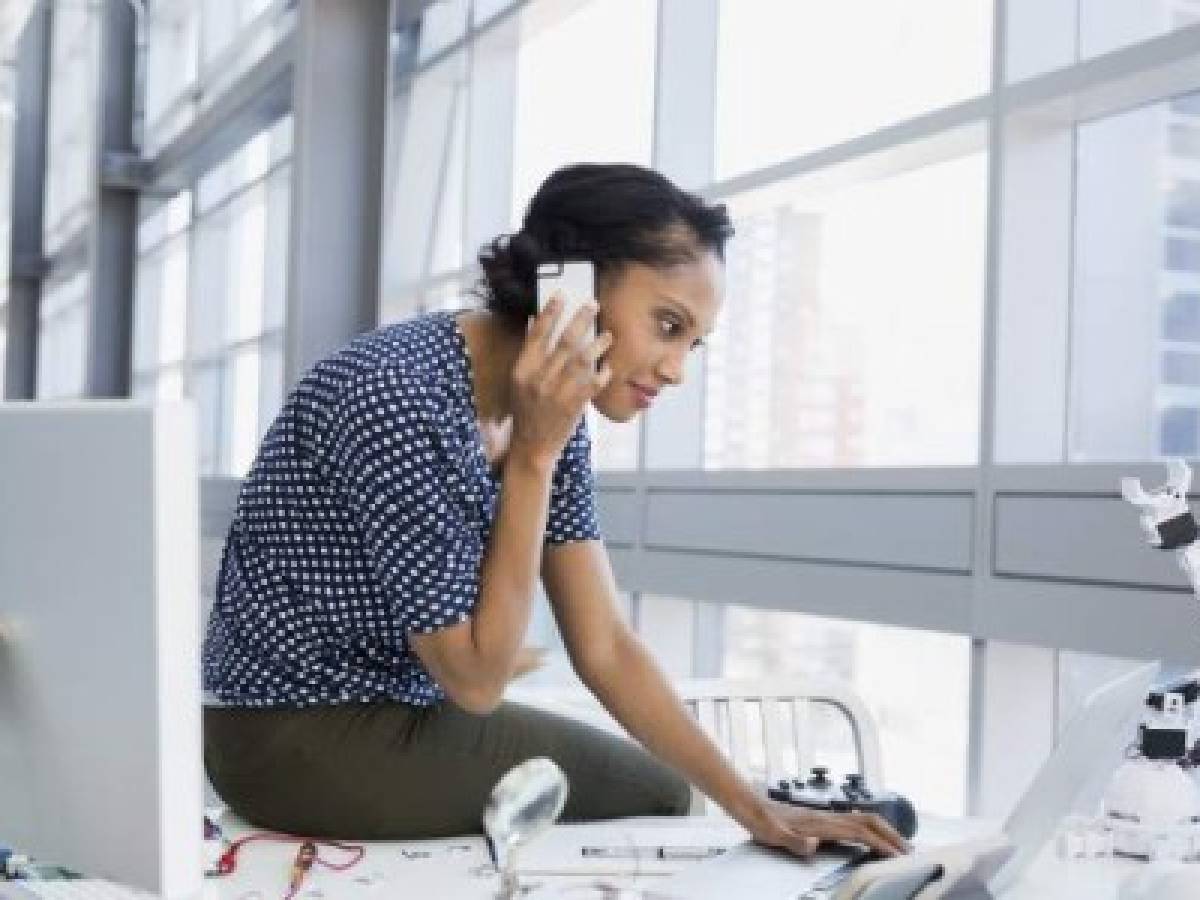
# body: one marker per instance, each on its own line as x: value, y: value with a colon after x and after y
x: 392, y: 771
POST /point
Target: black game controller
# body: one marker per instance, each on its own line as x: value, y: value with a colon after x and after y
x: 819, y: 792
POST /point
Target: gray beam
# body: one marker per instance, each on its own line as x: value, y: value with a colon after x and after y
x: 339, y: 99
x: 26, y: 266
x: 113, y: 239
x: 1065, y: 563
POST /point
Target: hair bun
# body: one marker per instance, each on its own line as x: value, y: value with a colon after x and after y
x: 509, y: 265
x: 526, y: 252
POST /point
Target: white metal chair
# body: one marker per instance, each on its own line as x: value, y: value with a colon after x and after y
x: 769, y: 731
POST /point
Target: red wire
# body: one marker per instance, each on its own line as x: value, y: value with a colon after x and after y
x: 228, y: 861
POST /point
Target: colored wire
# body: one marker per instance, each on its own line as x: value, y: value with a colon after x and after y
x: 227, y: 864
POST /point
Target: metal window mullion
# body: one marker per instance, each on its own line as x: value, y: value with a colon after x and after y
x: 683, y: 145
x: 113, y: 238
x: 983, y: 505
x: 26, y: 239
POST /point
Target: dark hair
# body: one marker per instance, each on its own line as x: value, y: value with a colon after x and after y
x: 610, y: 215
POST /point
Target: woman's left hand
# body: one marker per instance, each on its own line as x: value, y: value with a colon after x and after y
x: 800, y: 831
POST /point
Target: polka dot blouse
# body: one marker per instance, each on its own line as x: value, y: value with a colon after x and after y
x: 363, y: 520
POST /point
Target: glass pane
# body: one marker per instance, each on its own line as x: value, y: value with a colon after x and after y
x: 792, y: 77
x: 447, y: 223
x: 565, y: 112
x: 172, y: 64
x: 1135, y: 340
x: 279, y: 197
x: 240, y: 402
x: 845, y: 311
x: 209, y: 283
x: 1106, y: 25
x: 271, y: 387
x: 164, y: 220
x: 72, y: 118
x: 1181, y: 368
x: 1178, y: 429
x: 425, y: 180
x: 246, y: 265
x: 160, y: 305
x: 205, y: 389
x: 62, y: 322
x: 483, y: 10
x: 172, y: 319
x: 897, y: 671
x: 146, y: 302
x: 142, y: 386
x: 1181, y: 317
x: 441, y: 25
x: 236, y: 35
x: 224, y: 22
x: 170, y: 383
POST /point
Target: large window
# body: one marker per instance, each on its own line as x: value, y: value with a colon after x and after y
x: 210, y: 299
x: 794, y: 77
x: 196, y: 49
x: 1135, y: 368
x: 856, y: 316
x: 566, y: 111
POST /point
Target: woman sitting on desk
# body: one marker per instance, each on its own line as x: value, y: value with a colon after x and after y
x: 376, y: 581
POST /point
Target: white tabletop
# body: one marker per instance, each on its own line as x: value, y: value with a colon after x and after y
x: 460, y: 868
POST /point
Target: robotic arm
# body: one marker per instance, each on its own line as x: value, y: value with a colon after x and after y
x: 1166, y: 517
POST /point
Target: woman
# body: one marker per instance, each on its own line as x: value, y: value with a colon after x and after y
x: 377, y: 578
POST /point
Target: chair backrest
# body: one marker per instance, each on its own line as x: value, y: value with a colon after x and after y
x: 770, y: 729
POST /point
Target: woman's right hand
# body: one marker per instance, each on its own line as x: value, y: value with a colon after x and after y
x: 552, y: 386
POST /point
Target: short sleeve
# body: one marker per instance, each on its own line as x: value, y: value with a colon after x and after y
x: 573, y: 493
x: 422, y: 548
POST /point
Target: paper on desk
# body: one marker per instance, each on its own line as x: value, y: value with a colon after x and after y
x: 559, y: 851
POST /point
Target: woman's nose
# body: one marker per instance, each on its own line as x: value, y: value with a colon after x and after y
x: 670, y: 369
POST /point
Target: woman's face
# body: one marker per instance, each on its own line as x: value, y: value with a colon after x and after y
x: 657, y: 317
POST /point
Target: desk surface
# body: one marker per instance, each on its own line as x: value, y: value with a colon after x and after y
x: 459, y: 867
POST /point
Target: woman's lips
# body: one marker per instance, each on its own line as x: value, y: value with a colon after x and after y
x: 641, y: 396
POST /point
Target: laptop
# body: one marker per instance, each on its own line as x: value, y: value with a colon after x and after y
x: 1090, y: 749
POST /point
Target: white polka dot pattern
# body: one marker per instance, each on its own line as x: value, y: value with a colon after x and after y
x: 364, y: 519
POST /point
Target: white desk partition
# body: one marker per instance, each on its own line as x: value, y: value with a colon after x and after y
x: 99, y: 670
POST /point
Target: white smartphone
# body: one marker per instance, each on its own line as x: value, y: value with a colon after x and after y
x: 576, y: 281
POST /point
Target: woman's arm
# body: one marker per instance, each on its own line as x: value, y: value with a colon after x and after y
x: 473, y: 660
x: 612, y: 661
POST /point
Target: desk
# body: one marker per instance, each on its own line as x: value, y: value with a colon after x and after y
x: 459, y: 867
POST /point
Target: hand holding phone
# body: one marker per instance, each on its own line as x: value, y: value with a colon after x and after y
x: 553, y: 380
x: 576, y: 282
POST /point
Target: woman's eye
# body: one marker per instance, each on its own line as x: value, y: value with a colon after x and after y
x: 669, y: 327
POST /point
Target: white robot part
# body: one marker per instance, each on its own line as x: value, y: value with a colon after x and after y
x: 1166, y: 518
